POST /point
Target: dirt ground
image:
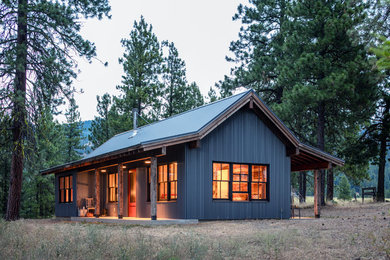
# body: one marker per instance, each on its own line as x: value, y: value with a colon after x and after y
x: 351, y: 231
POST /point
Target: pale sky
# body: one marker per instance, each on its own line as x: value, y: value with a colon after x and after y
x: 200, y: 29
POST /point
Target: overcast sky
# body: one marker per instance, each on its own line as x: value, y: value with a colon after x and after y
x: 201, y: 30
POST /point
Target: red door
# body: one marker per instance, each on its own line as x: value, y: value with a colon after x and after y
x: 132, y: 193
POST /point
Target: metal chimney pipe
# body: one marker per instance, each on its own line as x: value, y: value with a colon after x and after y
x: 135, y: 115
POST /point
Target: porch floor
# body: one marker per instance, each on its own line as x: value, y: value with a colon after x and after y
x: 135, y: 221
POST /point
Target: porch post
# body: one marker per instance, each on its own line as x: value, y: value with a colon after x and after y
x: 153, y: 188
x: 97, y: 193
x: 120, y: 191
x: 317, y: 193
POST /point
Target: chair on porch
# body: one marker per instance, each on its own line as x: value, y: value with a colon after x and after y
x: 89, y: 204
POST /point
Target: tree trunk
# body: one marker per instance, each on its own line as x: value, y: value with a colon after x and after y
x: 302, y: 186
x: 18, y: 116
x: 321, y: 145
x: 382, y: 153
x: 330, y: 185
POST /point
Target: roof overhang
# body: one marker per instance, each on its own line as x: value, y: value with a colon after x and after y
x: 303, y: 157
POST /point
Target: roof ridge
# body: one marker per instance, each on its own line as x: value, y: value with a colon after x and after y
x: 185, y: 112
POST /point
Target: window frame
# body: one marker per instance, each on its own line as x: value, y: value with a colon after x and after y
x: 112, y: 187
x: 267, y: 199
x: 64, y: 189
x: 168, y: 182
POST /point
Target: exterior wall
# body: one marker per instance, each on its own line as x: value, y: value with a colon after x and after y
x: 66, y: 209
x: 243, y: 138
x: 166, y: 209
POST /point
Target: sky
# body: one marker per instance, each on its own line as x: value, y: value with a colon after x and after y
x: 200, y: 29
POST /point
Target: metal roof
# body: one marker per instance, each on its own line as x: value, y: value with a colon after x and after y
x: 182, y: 124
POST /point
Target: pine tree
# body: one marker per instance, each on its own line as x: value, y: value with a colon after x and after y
x: 344, y: 189
x: 38, y: 39
x: 73, y: 133
x: 142, y: 66
x: 100, y: 128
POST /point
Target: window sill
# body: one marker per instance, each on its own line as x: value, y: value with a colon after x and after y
x: 163, y: 202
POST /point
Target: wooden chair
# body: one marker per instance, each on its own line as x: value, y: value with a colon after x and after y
x: 89, y: 204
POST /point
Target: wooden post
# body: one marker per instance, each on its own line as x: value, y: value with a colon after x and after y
x: 97, y: 193
x: 317, y: 193
x: 153, y: 189
x: 120, y: 191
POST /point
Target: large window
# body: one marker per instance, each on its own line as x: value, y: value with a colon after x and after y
x: 240, y: 182
x: 66, y: 189
x: 166, y: 182
x: 113, y: 187
x: 221, y: 180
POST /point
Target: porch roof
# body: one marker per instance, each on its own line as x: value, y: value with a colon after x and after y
x: 194, y: 124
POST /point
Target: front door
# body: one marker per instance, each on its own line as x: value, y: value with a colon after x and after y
x: 132, y: 193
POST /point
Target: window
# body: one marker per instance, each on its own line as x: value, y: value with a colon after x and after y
x: 240, y: 182
x: 166, y: 182
x: 113, y: 187
x: 162, y: 182
x: 66, y: 189
x: 220, y: 181
x: 259, y: 182
x: 173, y: 181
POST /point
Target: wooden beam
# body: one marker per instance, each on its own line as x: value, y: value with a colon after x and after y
x: 251, y: 103
x: 308, y: 167
x: 194, y: 144
x: 120, y: 191
x: 292, y: 151
x: 97, y: 193
x: 317, y: 193
x: 153, y: 188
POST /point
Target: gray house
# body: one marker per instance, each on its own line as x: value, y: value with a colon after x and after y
x: 230, y: 159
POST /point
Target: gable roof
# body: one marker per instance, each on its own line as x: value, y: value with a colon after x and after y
x: 194, y: 125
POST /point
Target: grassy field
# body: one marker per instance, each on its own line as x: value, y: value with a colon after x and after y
x: 351, y: 231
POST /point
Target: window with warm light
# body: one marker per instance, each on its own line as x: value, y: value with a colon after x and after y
x: 240, y: 182
x: 221, y: 180
x: 66, y: 189
x: 113, y: 187
x: 166, y: 182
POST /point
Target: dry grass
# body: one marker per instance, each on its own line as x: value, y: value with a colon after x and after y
x: 348, y: 232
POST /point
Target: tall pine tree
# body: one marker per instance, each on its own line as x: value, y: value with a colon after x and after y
x: 38, y: 39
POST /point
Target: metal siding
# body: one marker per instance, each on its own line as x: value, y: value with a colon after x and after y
x: 66, y: 209
x: 172, y: 209
x: 243, y: 138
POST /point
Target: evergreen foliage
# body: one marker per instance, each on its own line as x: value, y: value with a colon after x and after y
x: 344, y: 189
x: 73, y: 133
x: 36, y: 48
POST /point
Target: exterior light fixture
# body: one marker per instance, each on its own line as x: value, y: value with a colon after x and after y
x: 148, y: 162
x: 104, y: 170
x: 124, y: 167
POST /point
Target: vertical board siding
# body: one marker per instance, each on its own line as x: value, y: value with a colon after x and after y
x: 66, y: 209
x: 242, y: 138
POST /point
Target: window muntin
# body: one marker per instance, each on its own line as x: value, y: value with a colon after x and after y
x: 240, y: 182
x: 113, y: 187
x: 259, y: 182
x: 66, y: 189
x: 166, y: 182
x: 162, y: 182
x: 173, y: 181
x: 221, y: 174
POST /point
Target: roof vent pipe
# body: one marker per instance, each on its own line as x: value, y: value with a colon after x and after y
x: 135, y: 115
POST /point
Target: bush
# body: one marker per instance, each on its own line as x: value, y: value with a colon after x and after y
x: 344, y: 189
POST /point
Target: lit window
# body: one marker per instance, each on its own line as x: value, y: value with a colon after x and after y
x: 220, y: 181
x: 113, y: 187
x: 240, y: 182
x: 162, y: 182
x: 66, y: 189
x: 259, y: 182
x: 166, y: 182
